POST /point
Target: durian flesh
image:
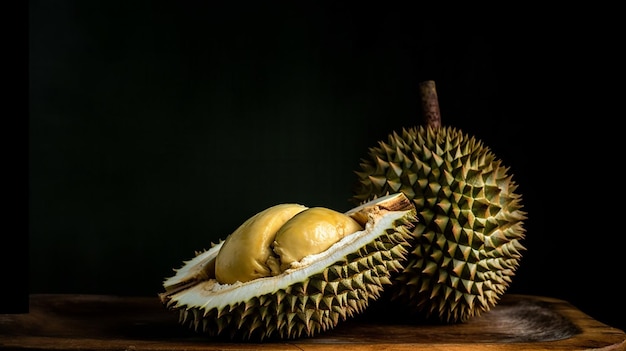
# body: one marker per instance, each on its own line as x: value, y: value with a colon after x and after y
x: 330, y: 282
x: 245, y: 253
x: 468, y: 238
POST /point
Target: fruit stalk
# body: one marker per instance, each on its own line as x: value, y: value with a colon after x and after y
x: 430, y: 104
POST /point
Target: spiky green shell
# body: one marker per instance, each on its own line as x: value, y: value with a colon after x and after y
x: 328, y: 288
x: 468, y: 238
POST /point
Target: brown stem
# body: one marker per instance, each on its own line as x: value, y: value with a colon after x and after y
x: 430, y: 104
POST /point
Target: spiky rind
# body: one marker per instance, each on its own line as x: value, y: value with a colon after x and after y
x: 467, y: 245
x: 326, y: 293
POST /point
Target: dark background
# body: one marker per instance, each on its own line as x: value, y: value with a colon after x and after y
x: 156, y: 128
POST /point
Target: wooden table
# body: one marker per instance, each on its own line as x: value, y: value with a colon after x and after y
x: 99, y: 322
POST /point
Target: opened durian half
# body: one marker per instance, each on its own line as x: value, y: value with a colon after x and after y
x: 292, y: 271
x: 468, y: 238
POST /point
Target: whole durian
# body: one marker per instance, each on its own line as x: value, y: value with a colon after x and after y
x: 292, y: 271
x: 468, y: 238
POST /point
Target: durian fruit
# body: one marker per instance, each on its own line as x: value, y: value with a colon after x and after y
x: 291, y: 271
x: 468, y: 238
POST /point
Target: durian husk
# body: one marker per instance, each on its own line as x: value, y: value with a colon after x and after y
x: 470, y: 228
x: 313, y: 296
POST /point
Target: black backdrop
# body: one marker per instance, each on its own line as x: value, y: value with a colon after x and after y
x: 156, y: 128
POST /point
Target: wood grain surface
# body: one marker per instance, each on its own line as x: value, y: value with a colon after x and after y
x: 102, y: 322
